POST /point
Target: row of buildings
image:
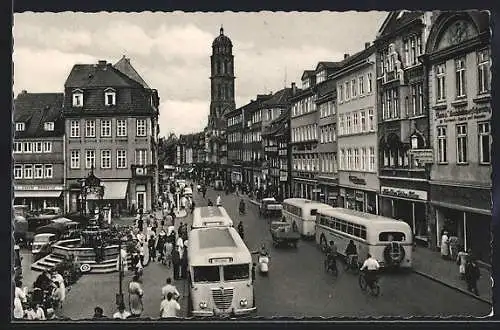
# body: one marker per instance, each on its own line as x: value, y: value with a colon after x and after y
x: 105, y: 123
x: 401, y: 128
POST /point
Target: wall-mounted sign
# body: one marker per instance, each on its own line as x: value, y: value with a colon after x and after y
x: 453, y: 115
x: 423, y: 156
x: 38, y: 187
x: 356, y: 180
x: 404, y: 193
x: 316, y: 190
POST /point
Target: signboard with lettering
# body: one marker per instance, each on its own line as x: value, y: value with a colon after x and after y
x: 38, y: 187
x: 453, y: 115
x: 423, y: 156
x: 316, y: 190
x: 356, y: 180
x: 404, y: 193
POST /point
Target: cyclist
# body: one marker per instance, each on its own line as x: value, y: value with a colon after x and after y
x: 242, y: 206
x: 351, y: 252
x: 331, y: 257
x: 209, y: 203
x: 218, y: 201
x: 241, y: 230
x: 372, y: 266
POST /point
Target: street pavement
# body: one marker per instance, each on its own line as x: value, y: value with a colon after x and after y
x: 296, y: 286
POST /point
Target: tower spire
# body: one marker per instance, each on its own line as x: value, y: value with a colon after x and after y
x: 221, y: 30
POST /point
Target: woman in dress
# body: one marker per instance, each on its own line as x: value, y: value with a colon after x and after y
x: 461, y: 262
x: 19, y: 299
x: 135, y: 293
x: 445, y: 249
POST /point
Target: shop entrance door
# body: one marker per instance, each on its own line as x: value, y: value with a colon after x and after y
x: 141, y: 199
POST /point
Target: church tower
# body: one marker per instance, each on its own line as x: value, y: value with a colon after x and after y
x: 221, y: 81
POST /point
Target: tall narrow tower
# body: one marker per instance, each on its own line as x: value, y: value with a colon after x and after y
x: 222, y: 81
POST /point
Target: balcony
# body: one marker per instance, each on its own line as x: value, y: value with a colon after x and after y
x: 404, y: 173
x: 142, y: 171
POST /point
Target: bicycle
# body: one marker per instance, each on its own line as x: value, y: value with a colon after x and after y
x: 374, y: 288
x: 352, y: 264
x: 331, y: 265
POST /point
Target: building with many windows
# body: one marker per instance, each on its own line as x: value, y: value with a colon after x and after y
x: 457, y: 66
x: 357, y: 132
x: 111, y: 124
x: 304, y: 139
x: 403, y: 123
x: 38, y: 151
x: 327, y: 132
x: 234, y: 136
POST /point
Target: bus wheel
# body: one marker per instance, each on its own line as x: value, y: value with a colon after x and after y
x: 322, y: 243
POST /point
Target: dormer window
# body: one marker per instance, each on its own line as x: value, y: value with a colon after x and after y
x: 20, y: 127
x: 305, y: 83
x: 78, y: 98
x: 321, y: 76
x: 48, y: 126
x: 109, y: 96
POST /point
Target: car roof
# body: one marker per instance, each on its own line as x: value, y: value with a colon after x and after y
x: 45, y: 234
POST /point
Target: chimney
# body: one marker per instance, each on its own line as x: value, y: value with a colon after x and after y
x: 367, y: 45
x: 101, y: 63
x: 294, y: 88
x: 346, y: 56
x: 24, y: 91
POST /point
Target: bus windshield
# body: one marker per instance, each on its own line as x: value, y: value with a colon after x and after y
x: 391, y: 236
x: 236, y: 272
x: 206, y: 274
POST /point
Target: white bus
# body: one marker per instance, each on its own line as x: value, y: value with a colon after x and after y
x: 301, y: 214
x: 211, y: 216
x: 387, y: 240
x: 220, y: 273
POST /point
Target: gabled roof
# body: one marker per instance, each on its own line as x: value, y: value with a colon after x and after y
x: 98, y: 75
x: 124, y: 66
x: 396, y: 19
x: 308, y: 73
x: 34, y: 109
x: 328, y: 65
x: 281, y: 97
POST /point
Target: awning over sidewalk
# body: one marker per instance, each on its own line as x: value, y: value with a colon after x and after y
x: 113, y: 190
x: 37, y: 193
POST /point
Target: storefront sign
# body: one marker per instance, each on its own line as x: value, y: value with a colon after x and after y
x: 453, y: 115
x: 359, y: 196
x: 283, y: 176
x: 423, y: 156
x: 316, y: 190
x: 356, y: 180
x: 38, y: 187
x: 405, y: 193
x: 333, y: 194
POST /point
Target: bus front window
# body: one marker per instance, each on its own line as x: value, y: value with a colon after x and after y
x: 236, y: 272
x: 392, y: 236
x: 206, y: 274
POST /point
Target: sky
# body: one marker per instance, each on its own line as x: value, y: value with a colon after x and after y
x: 171, y: 51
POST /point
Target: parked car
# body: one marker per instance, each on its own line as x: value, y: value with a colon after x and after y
x: 188, y: 192
x: 42, y: 245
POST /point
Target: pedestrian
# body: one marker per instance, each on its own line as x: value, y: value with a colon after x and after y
x: 453, y: 243
x: 135, y: 294
x: 152, y: 247
x: 167, y: 259
x: 172, y: 214
x: 445, y: 250
x: 122, y: 313
x: 98, y: 313
x: 57, y: 278
x: 169, y: 307
x: 169, y: 288
x: 159, y: 245
x: 140, y: 224
x: 184, y: 262
x: 176, y: 259
x: 472, y: 275
x: 19, y: 299
x: 179, y: 230
x: 461, y: 262
x: 193, y: 205
x: 57, y: 296
x: 204, y: 192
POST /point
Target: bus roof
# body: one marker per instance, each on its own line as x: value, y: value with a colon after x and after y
x: 303, y: 201
x: 206, y: 244
x: 211, y: 216
x: 358, y: 217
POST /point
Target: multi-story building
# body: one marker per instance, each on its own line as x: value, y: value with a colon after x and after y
x: 38, y: 150
x: 275, y: 131
x: 304, y: 139
x: 253, y: 150
x: 327, y: 135
x: 357, y: 132
x: 403, y: 124
x: 234, y: 134
x: 222, y: 101
x: 458, y: 63
x: 111, y: 124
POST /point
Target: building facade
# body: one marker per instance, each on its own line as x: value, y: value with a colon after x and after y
x: 403, y: 123
x: 234, y: 134
x: 38, y: 151
x: 357, y: 132
x: 457, y: 66
x: 222, y: 101
x: 327, y: 132
x: 111, y: 124
x: 304, y: 139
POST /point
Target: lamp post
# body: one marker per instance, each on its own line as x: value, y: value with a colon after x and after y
x: 119, y: 295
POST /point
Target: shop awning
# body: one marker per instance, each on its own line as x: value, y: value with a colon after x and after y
x: 115, y: 189
x: 461, y: 208
x: 37, y: 193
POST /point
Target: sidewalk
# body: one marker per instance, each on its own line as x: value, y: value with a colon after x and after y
x: 429, y: 264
